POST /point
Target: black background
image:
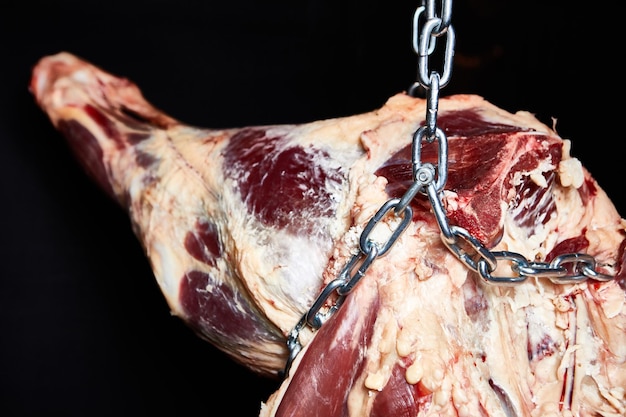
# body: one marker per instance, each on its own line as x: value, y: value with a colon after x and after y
x: 84, y: 330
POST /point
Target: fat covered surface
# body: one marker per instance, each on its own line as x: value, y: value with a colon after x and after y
x: 502, y: 221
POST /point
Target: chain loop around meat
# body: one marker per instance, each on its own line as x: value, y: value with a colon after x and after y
x: 568, y: 268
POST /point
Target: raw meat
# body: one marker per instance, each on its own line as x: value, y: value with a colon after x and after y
x: 244, y: 227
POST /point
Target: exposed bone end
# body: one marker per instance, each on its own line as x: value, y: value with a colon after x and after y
x: 65, y: 80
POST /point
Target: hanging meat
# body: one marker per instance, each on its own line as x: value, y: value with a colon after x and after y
x: 244, y: 228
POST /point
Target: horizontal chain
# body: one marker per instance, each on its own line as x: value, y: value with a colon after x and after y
x: 582, y: 267
x: 475, y: 256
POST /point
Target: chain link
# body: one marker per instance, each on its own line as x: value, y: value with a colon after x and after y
x: 427, y: 27
x: 430, y: 180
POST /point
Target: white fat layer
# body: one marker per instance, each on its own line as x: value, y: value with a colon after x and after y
x: 465, y: 341
x: 292, y: 275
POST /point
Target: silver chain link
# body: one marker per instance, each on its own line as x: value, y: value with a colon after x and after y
x: 428, y: 27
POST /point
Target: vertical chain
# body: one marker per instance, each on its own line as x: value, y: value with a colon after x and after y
x: 428, y: 27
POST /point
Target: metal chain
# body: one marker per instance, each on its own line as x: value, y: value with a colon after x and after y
x: 428, y: 27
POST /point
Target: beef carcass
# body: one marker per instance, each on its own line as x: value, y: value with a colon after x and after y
x: 244, y: 227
